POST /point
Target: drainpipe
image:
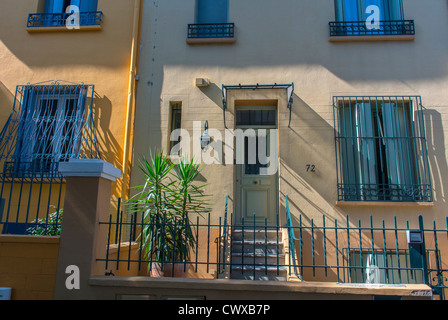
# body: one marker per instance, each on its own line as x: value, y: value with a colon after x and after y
x: 131, y: 98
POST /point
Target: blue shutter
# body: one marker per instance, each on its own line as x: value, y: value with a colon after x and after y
x: 88, y: 5
x: 381, y: 4
x: 212, y: 11
x: 351, y: 12
x: 396, y: 10
x: 24, y: 144
x: 339, y: 10
x: 54, y: 6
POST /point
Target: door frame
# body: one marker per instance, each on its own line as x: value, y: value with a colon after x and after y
x: 236, y: 189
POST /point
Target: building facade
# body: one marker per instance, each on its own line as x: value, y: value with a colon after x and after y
x: 319, y: 126
x: 358, y: 114
x: 348, y: 92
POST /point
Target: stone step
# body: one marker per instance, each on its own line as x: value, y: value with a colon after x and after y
x: 247, y: 272
x: 258, y: 247
x: 259, y: 234
x: 258, y: 258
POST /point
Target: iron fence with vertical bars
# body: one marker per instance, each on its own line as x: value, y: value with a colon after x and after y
x: 344, y: 252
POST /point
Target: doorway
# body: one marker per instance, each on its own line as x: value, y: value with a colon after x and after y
x: 256, y: 163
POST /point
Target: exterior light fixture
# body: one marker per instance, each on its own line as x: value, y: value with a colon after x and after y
x: 205, y: 138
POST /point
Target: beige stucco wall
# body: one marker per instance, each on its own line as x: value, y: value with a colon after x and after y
x: 101, y: 58
x: 282, y: 42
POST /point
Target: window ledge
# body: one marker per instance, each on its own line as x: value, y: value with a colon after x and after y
x: 63, y: 29
x: 383, y: 204
x: 211, y: 40
x: 372, y: 38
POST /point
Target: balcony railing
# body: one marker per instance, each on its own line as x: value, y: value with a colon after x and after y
x: 212, y: 30
x: 37, y: 20
x: 362, y: 28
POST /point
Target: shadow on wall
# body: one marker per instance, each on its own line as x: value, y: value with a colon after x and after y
x: 6, y: 104
x: 308, y: 165
x: 108, y: 145
x: 214, y: 93
x: 435, y: 140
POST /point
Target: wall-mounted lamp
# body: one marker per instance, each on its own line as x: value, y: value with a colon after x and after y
x: 205, y: 138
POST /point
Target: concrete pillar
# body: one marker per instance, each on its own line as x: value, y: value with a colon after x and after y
x: 87, y: 202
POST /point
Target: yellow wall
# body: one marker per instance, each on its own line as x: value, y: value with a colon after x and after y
x: 101, y: 58
x: 28, y: 266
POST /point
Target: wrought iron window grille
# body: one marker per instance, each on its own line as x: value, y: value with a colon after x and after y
x: 50, y: 123
x: 381, y: 152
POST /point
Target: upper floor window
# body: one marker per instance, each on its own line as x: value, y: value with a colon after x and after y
x: 66, y: 13
x: 381, y: 149
x: 51, y: 125
x: 212, y: 20
x: 60, y: 6
x: 212, y: 11
x: 360, y: 10
x: 370, y: 17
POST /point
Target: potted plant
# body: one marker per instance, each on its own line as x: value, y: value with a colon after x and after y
x: 166, y: 198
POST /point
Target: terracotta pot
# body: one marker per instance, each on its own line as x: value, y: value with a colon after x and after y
x: 157, y: 271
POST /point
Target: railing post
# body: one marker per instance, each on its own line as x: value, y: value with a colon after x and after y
x: 87, y: 202
x: 423, y: 251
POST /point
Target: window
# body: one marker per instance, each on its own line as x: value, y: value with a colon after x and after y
x: 212, y: 20
x: 370, y: 17
x: 256, y: 117
x: 212, y: 11
x: 175, y: 123
x: 50, y: 128
x: 381, y: 149
x: 380, y: 266
x: 60, y: 6
x: 58, y: 14
x: 356, y: 10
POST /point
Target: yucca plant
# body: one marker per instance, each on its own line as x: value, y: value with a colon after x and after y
x: 166, y: 198
x: 152, y: 201
x: 189, y: 198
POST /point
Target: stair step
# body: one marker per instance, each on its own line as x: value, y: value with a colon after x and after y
x: 247, y: 272
x: 259, y: 255
x: 251, y: 242
x: 258, y: 277
x: 258, y: 268
x: 260, y: 234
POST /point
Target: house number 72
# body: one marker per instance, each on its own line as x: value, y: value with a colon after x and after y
x: 310, y: 168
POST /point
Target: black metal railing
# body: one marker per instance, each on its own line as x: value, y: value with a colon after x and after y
x: 211, y: 30
x: 37, y: 20
x: 348, y: 252
x: 363, y: 28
